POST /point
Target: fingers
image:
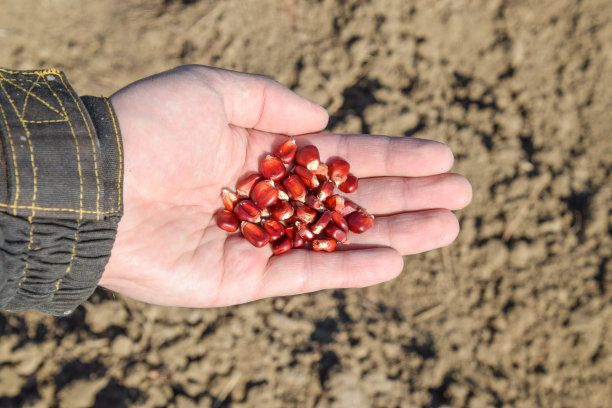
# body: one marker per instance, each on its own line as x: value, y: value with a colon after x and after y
x: 373, y: 155
x: 301, y: 271
x: 258, y: 102
x: 371, y: 258
x: 389, y: 195
x: 410, y: 233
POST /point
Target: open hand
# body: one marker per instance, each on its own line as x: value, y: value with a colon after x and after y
x: 191, y: 131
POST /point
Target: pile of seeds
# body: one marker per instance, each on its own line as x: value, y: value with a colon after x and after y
x: 292, y: 202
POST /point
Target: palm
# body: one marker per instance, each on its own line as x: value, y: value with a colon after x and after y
x: 190, y: 132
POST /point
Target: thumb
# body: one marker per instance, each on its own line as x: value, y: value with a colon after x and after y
x: 258, y: 102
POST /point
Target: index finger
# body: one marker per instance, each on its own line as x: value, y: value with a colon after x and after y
x: 376, y: 155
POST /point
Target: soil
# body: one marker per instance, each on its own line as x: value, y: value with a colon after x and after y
x: 516, y: 313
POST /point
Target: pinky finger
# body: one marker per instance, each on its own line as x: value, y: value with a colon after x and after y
x: 302, y: 271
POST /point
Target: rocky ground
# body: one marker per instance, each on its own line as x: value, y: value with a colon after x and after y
x: 516, y: 313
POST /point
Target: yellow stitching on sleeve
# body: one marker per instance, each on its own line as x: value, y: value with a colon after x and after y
x: 25, y: 103
x: 78, y: 150
x: 27, y: 265
x: 38, y: 208
x: 110, y: 110
x: 45, y: 121
x: 38, y: 98
x: 50, y: 71
x: 93, y: 146
x: 35, y: 188
x: 33, y: 208
x: 72, y: 256
x: 40, y: 72
x: 31, y: 147
x: 21, y: 80
x: 10, y: 138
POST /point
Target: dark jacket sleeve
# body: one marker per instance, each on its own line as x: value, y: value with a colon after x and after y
x: 61, y: 172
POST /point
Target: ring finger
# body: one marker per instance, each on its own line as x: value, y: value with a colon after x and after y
x: 390, y: 195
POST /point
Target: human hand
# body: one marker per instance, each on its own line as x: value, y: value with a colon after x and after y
x: 191, y: 131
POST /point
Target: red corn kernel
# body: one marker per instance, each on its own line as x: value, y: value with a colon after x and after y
x: 321, y: 222
x: 246, y: 210
x: 324, y: 244
x: 229, y: 199
x: 325, y: 190
x: 360, y: 221
x: 295, y: 188
x: 291, y: 220
x: 245, y: 186
x: 321, y: 172
x: 335, y: 203
x: 274, y: 228
x: 338, y: 171
x: 350, y: 184
x: 313, y: 202
x: 290, y: 231
x: 227, y: 221
x: 281, y: 211
x: 282, y: 193
x: 307, y: 177
x: 305, y: 213
x: 264, y: 194
x: 349, y: 207
x: 298, y: 241
x: 304, y: 231
x: 336, y: 233
x: 254, y: 234
x: 340, y: 221
x: 308, y: 156
x: 272, y: 168
x: 286, y: 151
x: 282, y: 246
